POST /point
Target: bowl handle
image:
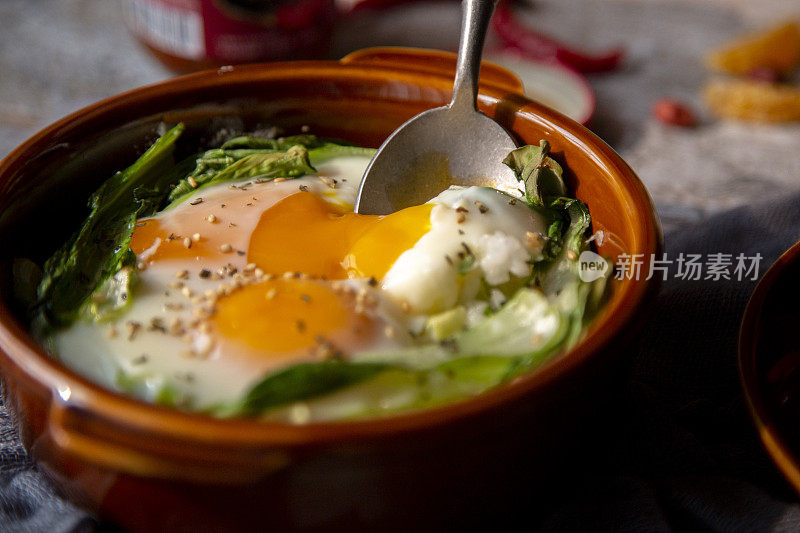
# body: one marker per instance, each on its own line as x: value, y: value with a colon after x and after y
x: 70, y: 429
x: 432, y: 61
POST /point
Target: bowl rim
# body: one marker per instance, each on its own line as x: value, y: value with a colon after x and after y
x: 20, y: 353
x: 749, y: 333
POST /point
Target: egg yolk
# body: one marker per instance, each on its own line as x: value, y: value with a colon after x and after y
x: 303, y: 233
x: 283, y: 316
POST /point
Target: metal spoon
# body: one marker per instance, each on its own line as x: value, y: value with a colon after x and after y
x: 451, y: 145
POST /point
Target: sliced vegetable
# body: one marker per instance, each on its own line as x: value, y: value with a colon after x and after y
x: 525, y: 325
x: 305, y: 381
x: 254, y: 165
x: 776, y: 48
x: 541, y: 174
x: 100, y: 248
x: 399, y: 389
x: 257, y: 158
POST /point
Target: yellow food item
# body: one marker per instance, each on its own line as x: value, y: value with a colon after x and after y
x: 753, y: 100
x: 776, y: 48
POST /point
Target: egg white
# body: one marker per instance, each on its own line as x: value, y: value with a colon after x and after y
x: 484, y: 222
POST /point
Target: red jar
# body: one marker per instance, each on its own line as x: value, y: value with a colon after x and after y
x: 189, y: 35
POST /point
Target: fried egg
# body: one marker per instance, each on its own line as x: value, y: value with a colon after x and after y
x: 243, y: 279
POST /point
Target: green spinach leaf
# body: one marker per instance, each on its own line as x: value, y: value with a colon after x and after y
x: 101, y: 247
x: 305, y: 381
x: 541, y: 174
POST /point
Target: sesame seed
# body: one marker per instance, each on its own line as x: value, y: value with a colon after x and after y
x: 175, y: 285
x: 461, y: 217
x: 196, y: 237
x: 534, y: 240
x: 182, y: 274
x: 157, y: 324
x: 389, y: 332
x: 192, y: 182
x: 324, y: 350
x: 279, y: 180
x: 306, y: 298
x: 141, y: 265
x: 571, y: 255
x: 173, y: 306
x: 200, y: 312
x: 132, y: 328
x: 225, y: 248
x: 186, y: 291
x: 205, y: 273
x: 211, y: 218
x: 513, y: 201
x: 481, y: 206
x: 187, y: 242
x: 271, y: 294
x: 330, y: 182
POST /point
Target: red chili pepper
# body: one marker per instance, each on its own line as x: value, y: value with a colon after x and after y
x: 675, y: 113
x: 538, y: 46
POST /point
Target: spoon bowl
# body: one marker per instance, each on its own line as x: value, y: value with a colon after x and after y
x: 451, y: 145
x: 432, y: 151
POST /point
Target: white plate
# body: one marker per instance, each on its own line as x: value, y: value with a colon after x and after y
x: 553, y: 85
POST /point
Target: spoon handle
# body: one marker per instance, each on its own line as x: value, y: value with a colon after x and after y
x: 474, y: 24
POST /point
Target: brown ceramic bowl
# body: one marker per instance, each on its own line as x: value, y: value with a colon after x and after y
x: 148, y: 468
x: 769, y: 362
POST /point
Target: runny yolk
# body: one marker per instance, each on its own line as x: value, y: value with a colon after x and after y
x: 283, y: 316
x: 303, y: 233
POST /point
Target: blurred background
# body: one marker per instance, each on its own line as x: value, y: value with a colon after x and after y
x: 632, y: 70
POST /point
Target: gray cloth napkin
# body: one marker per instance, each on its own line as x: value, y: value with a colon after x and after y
x: 678, y: 453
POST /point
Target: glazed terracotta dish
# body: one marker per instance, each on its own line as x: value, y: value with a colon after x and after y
x: 769, y: 362
x: 146, y: 466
